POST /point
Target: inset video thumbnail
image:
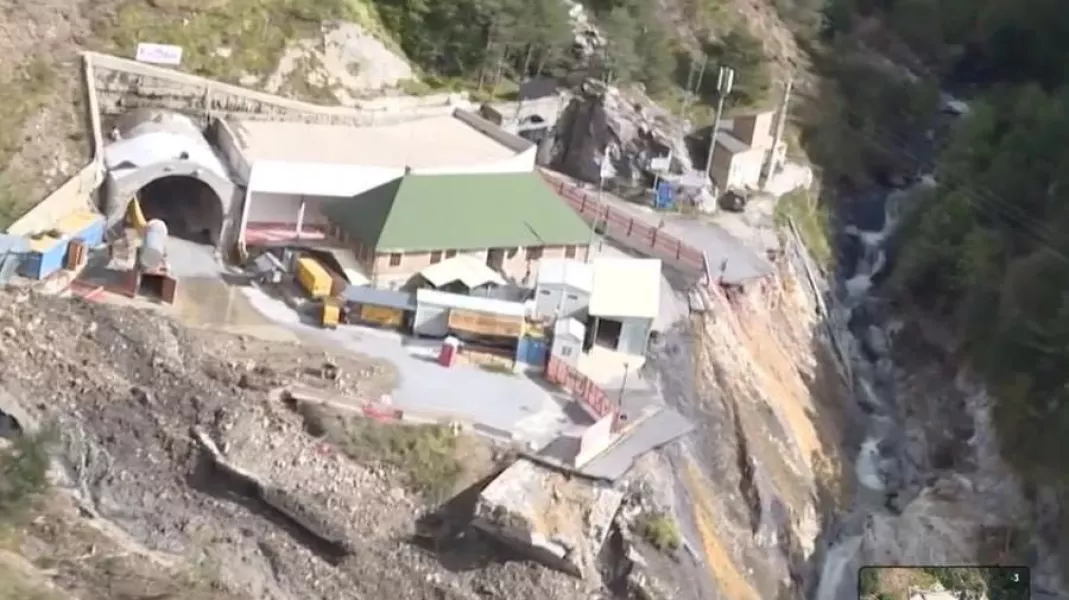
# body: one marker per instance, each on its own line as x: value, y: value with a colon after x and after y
x: 944, y: 583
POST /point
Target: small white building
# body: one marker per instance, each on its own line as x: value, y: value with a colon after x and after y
x: 624, y: 302
x: 563, y: 288
x: 568, y: 335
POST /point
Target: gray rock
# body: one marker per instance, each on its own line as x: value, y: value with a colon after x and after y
x: 627, y: 130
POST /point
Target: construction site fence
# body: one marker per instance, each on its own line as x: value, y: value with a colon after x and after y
x: 629, y: 231
x: 587, y: 393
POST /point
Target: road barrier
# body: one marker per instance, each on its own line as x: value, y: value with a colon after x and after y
x: 629, y: 231
x: 587, y: 393
x: 382, y: 413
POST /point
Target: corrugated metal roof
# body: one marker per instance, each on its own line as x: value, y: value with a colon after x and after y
x: 491, y: 306
x: 566, y: 271
x: 350, y: 266
x: 465, y: 269
x: 459, y: 212
x: 626, y: 287
x: 380, y: 297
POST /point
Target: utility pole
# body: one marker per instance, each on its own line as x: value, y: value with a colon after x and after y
x: 604, y: 171
x: 725, y: 80
x: 777, y: 136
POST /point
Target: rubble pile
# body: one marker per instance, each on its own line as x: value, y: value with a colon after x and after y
x: 126, y: 388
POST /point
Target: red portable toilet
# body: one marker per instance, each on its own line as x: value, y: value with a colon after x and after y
x: 448, y: 354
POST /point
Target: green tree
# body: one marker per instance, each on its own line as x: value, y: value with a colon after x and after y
x: 622, y: 57
x: 743, y: 52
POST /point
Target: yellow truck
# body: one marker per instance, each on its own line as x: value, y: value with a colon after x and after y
x: 313, y: 278
x: 331, y: 314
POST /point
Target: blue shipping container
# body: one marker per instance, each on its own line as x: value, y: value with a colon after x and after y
x: 12, y: 249
x: 531, y: 351
x: 45, y: 257
x: 85, y: 225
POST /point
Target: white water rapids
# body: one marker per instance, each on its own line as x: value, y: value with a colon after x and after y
x: 841, y: 560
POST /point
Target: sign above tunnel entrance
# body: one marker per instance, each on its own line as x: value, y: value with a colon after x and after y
x: 159, y: 54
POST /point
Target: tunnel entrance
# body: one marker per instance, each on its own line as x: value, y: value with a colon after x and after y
x: 190, y: 208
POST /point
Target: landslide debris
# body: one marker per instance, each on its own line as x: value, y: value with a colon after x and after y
x: 139, y: 503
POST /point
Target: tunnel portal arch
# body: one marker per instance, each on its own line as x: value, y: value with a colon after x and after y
x: 163, y: 160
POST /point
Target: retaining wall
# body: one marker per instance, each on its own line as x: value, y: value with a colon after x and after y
x: 124, y: 84
x: 77, y: 193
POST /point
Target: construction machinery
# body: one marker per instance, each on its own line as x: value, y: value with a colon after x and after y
x: 150, y: 271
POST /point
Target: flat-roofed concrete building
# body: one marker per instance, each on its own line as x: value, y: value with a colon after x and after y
x: 624, y: 303
x: 291, y: 169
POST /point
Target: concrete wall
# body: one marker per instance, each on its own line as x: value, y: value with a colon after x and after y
x: 634, y: 334
x: 285, y: 208
x: 739, y: 170
x: 125, y: 84
x: 499, y: 135
x: 548, y: 300
x: 595, y: 439
x: 519, y: 267
x: 119, y: 191
x: 227, y: 142
x: 77, y: 193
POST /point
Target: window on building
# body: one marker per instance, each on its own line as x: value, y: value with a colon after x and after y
x: 450, y: 253
x: 395, y: 259
x: 569, y: 251
x: 534, y: 253
x: 436, y: 256
x: 545, y: 292
x: 566, y: 351
x: 573, y: 297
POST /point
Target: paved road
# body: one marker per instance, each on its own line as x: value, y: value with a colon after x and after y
x: 743, y: 256
x: 510, y: 402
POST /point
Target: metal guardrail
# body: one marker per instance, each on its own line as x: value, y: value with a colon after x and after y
x: 630, y: 231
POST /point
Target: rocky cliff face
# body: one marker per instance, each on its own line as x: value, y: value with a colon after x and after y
x: 764, y: 474
x: 626, y: 129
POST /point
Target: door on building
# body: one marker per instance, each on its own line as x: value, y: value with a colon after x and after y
x: 495, y: 258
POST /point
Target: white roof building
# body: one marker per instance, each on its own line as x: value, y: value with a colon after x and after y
x: 290, y: 168
x: 566, y: 271
x: 626, y: 288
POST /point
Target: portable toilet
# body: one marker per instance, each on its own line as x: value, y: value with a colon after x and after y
x: 447, y: 356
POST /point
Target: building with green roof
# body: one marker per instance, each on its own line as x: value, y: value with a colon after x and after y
x: 507, y: 221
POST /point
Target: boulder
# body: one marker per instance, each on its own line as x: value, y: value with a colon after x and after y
x: 626, y: 129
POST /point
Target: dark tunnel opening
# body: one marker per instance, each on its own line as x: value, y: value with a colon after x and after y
x: 190, y: 208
